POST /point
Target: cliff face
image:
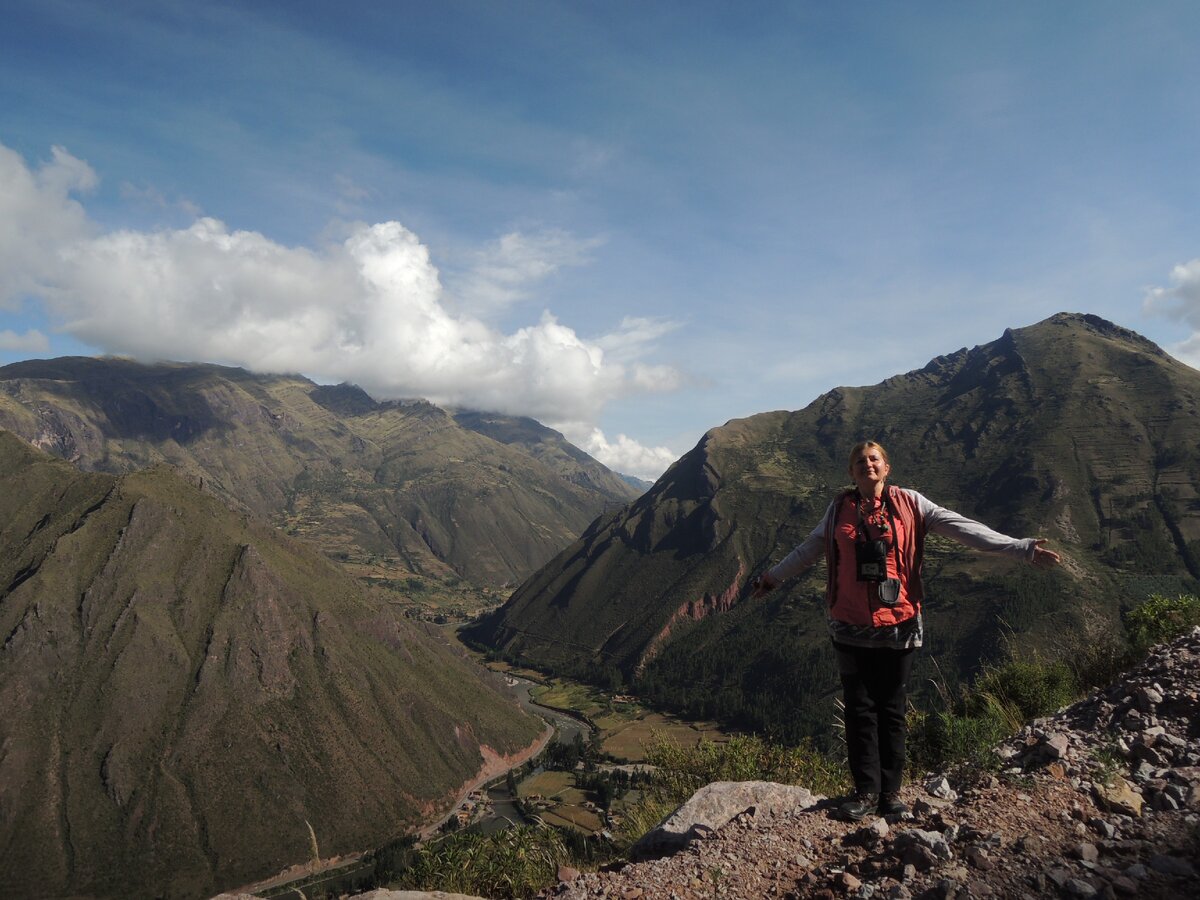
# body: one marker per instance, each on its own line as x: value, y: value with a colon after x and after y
x: 1073, y: 429
x: 184, y: 689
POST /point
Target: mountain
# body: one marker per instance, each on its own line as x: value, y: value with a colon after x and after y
x: 403, y: 493
x: 187, y: 691
x: 1074, y: 429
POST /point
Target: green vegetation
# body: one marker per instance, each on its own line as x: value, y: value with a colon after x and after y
x: 960, y: 729
x: 1160, y: 619
x: 515, y: 862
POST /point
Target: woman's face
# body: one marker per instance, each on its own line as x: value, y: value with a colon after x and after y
x: 869, y: 469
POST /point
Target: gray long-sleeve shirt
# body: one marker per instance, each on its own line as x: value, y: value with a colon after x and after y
x: 936, y: 519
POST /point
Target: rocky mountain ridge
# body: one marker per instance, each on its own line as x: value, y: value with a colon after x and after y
x: 1074, y: 429
x: 192, y: 699
x: 394, y: 490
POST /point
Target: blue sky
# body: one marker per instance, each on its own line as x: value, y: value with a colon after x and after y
x: 633, y: 221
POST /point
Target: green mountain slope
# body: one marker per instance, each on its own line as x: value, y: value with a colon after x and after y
x: 393, y: 490
x: 185, y: 691
x: 1073, y: 429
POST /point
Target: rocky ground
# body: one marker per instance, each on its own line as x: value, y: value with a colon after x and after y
x: 1099, y: 800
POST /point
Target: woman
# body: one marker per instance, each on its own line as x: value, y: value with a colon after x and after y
x: 873, y: 540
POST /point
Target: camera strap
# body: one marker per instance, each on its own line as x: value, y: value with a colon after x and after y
x: 890, y: 521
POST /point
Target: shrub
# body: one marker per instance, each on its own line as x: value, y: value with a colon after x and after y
x: 683, y: 770
x: 961, y: 735
x: 943, y: 740
x: 1029, y: 688
x: 515, y: 862
x: 1161, y: 618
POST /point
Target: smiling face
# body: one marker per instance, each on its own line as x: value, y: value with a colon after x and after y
x: 869, y: 468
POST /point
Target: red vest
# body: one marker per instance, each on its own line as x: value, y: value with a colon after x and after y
x: 855, y: 605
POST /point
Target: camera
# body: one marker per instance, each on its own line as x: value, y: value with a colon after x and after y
x: 870, y: 560
x: 870, y: 564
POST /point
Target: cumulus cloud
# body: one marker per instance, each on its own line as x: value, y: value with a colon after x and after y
x: 32, y: 341
x: 369, y: 308
x: 621, y: 455
x: 1181, y: 301
x: 37, y: 217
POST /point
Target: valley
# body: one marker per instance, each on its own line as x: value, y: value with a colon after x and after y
x: 229, y: 601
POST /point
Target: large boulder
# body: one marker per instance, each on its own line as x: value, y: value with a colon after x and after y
x: 714, y: 805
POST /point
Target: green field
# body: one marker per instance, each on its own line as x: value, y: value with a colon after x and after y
x: 627, y: 741
x: 549, y: 784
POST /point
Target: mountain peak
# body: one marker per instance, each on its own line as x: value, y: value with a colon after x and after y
x: 1073, y: 429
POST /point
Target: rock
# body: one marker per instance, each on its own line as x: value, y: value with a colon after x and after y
x: 1086, y: 852
x: 1147, y: 699
x: 713, y: 806
x: 930, y: 840
x: 1055, y: 746
x: 1123, y: 885
x: 1059, y: 877
x: 926, y: 806
x: 978, y: 857
x: 1077, y: 887
x: 918, y: 858
x: 939, y: 786
x: 847, y: 882
x: 1172, y: 865
x: 384, y: 894
x: 1101, y: 827
x: 1119, y: 797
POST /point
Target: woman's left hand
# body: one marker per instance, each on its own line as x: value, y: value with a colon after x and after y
x: 1042, y: 557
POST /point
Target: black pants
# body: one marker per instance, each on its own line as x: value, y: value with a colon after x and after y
x: 874, y: 683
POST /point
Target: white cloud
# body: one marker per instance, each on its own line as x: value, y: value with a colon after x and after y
x: 1180, y: 301
x: 32, y: 341
x: 37, y: 217
x: 504, y: 272
x: 623, y: 455
x: 1182, y: 298
x: 369, y: 308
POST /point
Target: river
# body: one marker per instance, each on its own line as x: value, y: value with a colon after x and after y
x: 566, y: 728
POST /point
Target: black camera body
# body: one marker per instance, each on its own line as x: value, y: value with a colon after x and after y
x: 870, y: 560
x: 870, y: 564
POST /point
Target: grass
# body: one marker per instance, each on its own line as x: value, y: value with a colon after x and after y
x: 546, y: 784
x: 628, y: 741
x: 515, y: 862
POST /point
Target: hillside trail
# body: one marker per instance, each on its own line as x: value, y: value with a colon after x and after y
x: 1101, y: 799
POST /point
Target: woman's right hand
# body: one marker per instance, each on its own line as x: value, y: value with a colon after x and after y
x: 762, y: 585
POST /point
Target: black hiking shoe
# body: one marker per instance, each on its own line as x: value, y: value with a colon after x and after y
x: 890, y: 804
x: 858, y: 807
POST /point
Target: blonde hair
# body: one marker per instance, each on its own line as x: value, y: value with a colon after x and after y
x: 858, y: 448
